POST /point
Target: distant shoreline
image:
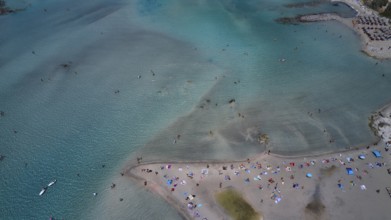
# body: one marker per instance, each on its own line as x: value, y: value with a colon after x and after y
x: 377, y: 46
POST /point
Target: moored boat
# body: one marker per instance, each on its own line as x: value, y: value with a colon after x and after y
x: 52, y: 183
x: 43, y: 190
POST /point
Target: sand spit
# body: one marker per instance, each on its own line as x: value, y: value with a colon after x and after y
x: 345, y: 185
x: 335, y: 186
x: 322, y: 17
x: 353, y: 184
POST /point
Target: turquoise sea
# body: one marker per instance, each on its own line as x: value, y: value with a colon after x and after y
x: 88, y: 86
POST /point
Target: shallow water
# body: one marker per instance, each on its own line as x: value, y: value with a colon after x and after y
x: 60, y: 69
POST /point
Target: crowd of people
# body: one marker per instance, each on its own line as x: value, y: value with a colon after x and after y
x: 274, y: 177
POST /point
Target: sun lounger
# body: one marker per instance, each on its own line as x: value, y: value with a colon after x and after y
x: 389, y: 190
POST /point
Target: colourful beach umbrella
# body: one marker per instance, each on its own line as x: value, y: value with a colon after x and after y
x: 376, y: 153
x: 349, y: 171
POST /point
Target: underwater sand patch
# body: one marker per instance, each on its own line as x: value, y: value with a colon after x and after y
x: 235, y: 205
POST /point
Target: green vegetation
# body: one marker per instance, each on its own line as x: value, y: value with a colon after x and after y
x: 379, y: 6
x: 236, y: 206
x: 387, y: 11
x: 4, y: 9
x: 375, y: 4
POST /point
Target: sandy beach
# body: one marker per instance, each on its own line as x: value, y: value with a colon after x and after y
x: 372, y: 44
x: 344, y: 185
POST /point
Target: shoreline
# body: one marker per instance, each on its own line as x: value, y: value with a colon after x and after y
x: 274, y: 175
x: 374, y: 30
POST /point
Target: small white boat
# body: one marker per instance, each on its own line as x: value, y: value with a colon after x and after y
x: 43, y: 190
x: 52, y: 183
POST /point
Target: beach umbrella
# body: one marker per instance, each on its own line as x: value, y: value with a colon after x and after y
x: 376, y: 153
x: 361, y: 156
x: 349, y: 171
x: 309, y: 175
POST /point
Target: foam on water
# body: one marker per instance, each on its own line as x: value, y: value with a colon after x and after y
x: 74, y: 102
